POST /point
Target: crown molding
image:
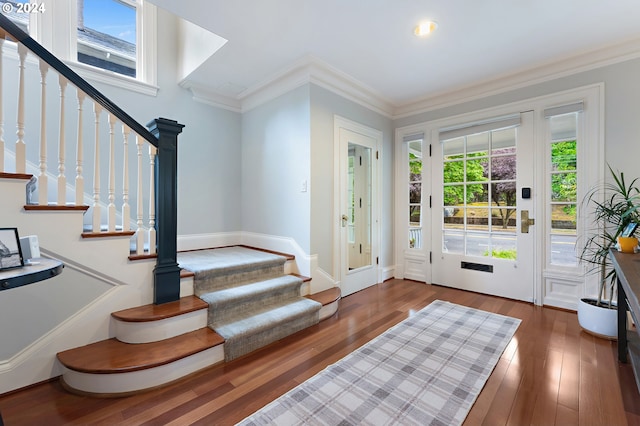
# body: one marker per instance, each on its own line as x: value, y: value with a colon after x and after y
x: 585, y: 61
x: 310, y: 69
x: 207, y: 96
x: 307, y: 70
x: 313, y: 70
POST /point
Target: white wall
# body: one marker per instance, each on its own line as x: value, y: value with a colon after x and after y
x: 275, y: 161
x: 324, y: 105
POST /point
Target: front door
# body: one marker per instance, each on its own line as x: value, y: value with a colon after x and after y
x: 358, y: 211
x: 484, y: 213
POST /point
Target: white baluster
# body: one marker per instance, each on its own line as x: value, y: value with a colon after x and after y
x: 21, y: 158
x: 42, y: 177
x: 139, y: 209
x: 1, y: 109
x: 79, y: 152
x: 111, y: 208
x: 126, y: 211
x: 97, y: 109
x: 152, y: 199
x: 62, y: 179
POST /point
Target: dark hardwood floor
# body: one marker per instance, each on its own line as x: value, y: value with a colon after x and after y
x: 551, y: 372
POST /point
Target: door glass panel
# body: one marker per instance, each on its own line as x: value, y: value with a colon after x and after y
x: 479, y: 194
x: 562, y: 190
x: 477, y: 244
x: 359, y: 194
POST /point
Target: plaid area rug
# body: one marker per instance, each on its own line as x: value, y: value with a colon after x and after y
x: 426, y: 370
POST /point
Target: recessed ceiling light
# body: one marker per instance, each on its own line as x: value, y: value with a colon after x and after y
x: 425, y: 28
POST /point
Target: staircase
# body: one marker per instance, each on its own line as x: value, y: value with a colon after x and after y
x: 153, y: 345
x: 105, y: 234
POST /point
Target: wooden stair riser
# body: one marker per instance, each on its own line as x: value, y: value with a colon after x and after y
x: 328, y: 310
x: 186, y: 286
x: 154, y: 331
x: 119, y: 384
x: 290, y: 267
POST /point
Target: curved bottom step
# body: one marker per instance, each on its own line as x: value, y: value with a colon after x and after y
x: 114, y: 368
x: 329, y: 299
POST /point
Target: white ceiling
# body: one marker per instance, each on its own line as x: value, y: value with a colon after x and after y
x: 372, y: 41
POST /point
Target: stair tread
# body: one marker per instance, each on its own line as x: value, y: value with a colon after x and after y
x: 113, y: 356
x: 19, y: 176
x: 55, y: 207
x: 253, y: 289
x: 159, y: 312
x: 327, y: 296
x: 302, y: 277
x: 262, y: 319
x: 105, y: 234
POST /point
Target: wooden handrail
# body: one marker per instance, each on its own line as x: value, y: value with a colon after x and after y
x: 16, y: 33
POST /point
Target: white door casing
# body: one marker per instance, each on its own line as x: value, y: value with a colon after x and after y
x: 356, y: 260
x: 553, y: 284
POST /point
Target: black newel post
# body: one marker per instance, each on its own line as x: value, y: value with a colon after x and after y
x: 166, y: 275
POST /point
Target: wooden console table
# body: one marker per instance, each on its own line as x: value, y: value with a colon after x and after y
x: 627, y: 268
x: 40, y: 269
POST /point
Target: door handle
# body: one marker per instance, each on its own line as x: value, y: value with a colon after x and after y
x: 345, y: 219
x: 525, y: 221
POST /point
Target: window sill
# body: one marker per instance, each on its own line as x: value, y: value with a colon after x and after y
x: 94, y: 74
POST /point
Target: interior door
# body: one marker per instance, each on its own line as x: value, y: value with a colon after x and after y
x: 484, y: 211
x: 358, y: 222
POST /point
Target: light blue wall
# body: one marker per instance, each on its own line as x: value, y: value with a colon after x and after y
x: 208, y: 148
x: 275, y: 161
x: 324, y: 105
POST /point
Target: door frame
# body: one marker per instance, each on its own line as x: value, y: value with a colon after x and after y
x: 339, y: 252
x: 554, y: 286
x: 521, y: 270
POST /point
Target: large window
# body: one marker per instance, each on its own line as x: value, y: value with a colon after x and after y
x: 479, y: 194
x: 107, y: 35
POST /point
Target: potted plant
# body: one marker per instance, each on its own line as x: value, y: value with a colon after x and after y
x: 615, y: 206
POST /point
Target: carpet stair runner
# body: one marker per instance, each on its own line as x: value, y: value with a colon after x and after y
x: 252, y: 302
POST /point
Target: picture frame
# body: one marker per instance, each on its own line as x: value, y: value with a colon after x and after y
x: 629, y: 229
x: 10, y: 250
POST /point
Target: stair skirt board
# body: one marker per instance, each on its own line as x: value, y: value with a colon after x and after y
x: 153, y: 331
x: 121, y: 384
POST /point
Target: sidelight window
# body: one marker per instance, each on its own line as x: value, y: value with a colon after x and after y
x: 415, y: 187
x: 562, y: 183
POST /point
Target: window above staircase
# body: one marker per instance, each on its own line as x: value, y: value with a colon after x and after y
x: 110, y: 41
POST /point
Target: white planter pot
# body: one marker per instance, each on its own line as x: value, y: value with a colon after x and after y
x: 601, y: 322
